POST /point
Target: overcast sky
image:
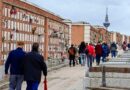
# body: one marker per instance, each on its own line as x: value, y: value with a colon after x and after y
x: 92, y: 11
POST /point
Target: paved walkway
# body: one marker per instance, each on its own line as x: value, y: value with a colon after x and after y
x: 66, y: 78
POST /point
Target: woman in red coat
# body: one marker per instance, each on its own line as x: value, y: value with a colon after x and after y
x: 91, y: 52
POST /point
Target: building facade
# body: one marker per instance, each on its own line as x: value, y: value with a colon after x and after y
x: 24, y: 21
x: 82, y: 31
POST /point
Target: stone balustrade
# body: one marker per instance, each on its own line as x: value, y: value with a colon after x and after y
x: 113, y: 74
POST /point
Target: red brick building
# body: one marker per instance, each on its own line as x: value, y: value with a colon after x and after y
x: 82, y: 31
x: 105, y: 36
x: 22, y: 21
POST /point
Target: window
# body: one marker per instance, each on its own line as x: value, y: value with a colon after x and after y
x: 18, y: 26
x: 5, y: 12
x: 23, y: 27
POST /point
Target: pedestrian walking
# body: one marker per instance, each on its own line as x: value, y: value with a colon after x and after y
x: 98, y: 51
x: 72, y: 53
x: 124, y: 46
x: 105, y: 51
x: 33, y: 68
x: 14, y: 62
x: 90, y: 54
x: 82, y: 53
x: 113, y: 49
x: 128, y: 46
x: 94, y: 54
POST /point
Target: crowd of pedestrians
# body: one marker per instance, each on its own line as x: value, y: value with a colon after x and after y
x: 88, y: 53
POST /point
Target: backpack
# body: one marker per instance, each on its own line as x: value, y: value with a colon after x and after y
x: 71, y: 51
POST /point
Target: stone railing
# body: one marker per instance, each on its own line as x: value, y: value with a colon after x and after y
x: 116, y: 77
x: 112, y: 75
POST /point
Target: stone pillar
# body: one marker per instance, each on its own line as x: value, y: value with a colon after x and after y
x: 1, y: 9
x: 46, y: 40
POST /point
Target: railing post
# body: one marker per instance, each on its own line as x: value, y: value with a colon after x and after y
x: 103, y: 76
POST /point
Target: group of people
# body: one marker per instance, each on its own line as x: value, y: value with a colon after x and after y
x: 29, y: 66
x: 25, y: 66
x: 88, y: 52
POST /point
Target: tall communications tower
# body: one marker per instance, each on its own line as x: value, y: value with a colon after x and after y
x: 106, y: 23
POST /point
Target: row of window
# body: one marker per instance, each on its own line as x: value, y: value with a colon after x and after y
x: 56, y: 26
x: 10, y: 24
x: 55, y: 56
x: 11, y: 46
x: 23, y: 16
x: 21, y: 37
x: 53, y: 48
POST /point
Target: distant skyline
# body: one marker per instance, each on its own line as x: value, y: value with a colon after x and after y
x: 92, y: 11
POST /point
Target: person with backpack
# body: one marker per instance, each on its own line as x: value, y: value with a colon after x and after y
x: 98, y: 51
x: 113, y: 49
x: 72, y: 53
x: 105, y: 51
x: 82, y: 53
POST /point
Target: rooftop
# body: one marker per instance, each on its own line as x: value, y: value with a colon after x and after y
x: 40, y: 8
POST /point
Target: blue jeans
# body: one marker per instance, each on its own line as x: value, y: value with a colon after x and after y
x: 89, y: 60
x: 98, y: 57
x: 15, y: 82
x: 32, y: 85
x: 104, y: 58
x: 83, y: 58
x: 113, y: 53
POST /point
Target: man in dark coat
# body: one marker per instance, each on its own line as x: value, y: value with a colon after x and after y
x: 113, y: 49
x: 98, y: 51
x: 33, y: 66
x: 14, y: 62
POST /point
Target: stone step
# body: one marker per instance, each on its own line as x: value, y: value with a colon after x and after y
x: 107, y: 88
